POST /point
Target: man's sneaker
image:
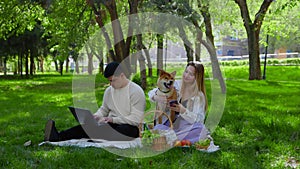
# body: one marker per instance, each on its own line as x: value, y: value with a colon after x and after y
x: 51, y: 133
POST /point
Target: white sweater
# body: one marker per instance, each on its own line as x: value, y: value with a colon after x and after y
x: 125, y: 105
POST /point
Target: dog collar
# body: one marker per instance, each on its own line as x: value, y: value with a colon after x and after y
x: 163, y: 91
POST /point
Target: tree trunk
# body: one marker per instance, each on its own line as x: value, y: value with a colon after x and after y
x: 90, y: 63
x: 209, y: 44
x: 26, y: 65
x: 61, y: 67
x: 67, y: 64
x: 77, y: 66
x: 160, y: 45
x: 254, y: 60
x: 99, y: 19
x: 119, y: 43
x: 101, y: 67
x: 253, y: 29
x: 90, y: 59
x: 187, y: 44
x: 32, y: 66
x: 142, y: 63
x: 101, y: 61
x: 42, y: 64
x: 150, y: 73
x: 198, y: 47
x: 56, y: 65
x: 121, y: 48
x: 5, y: 66
x: 16, y: 66
x: 143, y: 72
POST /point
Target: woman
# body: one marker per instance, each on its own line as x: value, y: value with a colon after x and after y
x: 191, y: 107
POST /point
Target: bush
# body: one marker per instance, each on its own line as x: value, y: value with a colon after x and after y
x: 137, y: 79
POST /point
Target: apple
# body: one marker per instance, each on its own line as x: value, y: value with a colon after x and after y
x: 183, y: 142
x: 186, y: 143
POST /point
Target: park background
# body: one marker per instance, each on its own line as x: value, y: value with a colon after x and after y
x: 250, y: 47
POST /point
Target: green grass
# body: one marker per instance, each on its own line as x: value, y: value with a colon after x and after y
x: 260, y: 126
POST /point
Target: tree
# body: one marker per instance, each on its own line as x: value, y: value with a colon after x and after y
x: 182, y: 8
x: 253, y: 31
x: 121, y: 46
x: 21, y: 31
x: 68, y: 25
x: 282, y: 25
x: 209, y: 43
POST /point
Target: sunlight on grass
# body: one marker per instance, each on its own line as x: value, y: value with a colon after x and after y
x: 55, y: 154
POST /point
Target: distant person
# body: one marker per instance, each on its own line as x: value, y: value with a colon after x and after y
x: 118, y: 117
x: 191, y: 106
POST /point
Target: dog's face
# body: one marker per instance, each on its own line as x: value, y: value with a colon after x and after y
x: 166, y: 80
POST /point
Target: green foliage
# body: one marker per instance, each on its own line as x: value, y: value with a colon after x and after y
x: 18, y: 17
x: 204, y: 142
x: 137, y: 79
x: 68, y: 24
x: 151, y: 81
x: 148, y: 137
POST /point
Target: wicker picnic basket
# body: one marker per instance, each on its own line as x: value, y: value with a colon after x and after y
x: 160, y: 142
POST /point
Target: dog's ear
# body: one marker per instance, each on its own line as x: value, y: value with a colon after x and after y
x: 173, y: 73
x: 161, y: 72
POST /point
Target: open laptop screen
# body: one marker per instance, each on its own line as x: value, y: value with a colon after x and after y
x: 83, y: 116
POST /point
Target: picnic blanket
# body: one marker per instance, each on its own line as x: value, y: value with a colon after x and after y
x: 113, y: 144
x: 211, y: 148
x: 97, y: 143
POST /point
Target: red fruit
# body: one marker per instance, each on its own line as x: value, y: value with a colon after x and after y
x: 188, y: 143
x: 185, y: 143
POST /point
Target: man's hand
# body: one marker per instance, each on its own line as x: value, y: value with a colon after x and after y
x: 103, y: 119
x: 107, y: 120
x: 96, y: 117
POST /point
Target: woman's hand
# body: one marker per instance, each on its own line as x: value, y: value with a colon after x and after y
x: 178, y: 108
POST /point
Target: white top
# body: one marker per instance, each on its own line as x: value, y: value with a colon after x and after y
x: 125, y: 105
x: 195, y: 110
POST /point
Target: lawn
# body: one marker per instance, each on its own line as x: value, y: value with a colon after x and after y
x: 260, y: 126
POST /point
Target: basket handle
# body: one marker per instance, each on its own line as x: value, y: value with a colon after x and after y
x: 156, y: 114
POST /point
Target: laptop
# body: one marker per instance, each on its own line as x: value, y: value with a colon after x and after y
x: 83, y: 116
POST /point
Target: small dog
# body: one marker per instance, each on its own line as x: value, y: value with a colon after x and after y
x: 165, y: 84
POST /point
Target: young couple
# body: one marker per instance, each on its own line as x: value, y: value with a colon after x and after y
x: 124, y: 103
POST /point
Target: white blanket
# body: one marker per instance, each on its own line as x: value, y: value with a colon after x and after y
x: 114, y: 144
x: 97, y: 143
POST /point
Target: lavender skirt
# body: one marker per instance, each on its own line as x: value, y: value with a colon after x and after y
x: 185, y: 130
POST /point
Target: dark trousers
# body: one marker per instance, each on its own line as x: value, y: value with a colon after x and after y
x: 106, y: 131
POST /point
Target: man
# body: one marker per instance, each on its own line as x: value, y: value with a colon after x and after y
x: 118, y: 117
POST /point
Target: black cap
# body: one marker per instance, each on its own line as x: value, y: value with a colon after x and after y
x: 110, y: 69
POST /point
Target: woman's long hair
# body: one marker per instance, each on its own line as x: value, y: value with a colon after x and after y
x: 199, y: 81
